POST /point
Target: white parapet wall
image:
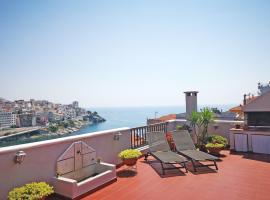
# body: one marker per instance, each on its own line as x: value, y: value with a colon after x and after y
x: 39, y: 163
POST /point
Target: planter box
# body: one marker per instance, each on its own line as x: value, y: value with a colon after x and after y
x: 79, y: 185
x: 79, y: 172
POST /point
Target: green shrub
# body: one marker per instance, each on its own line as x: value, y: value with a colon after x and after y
x: 129, y: 153
x: 182, y: 127
x: 214, y: 145
x: 31, y: 191
x: 179, y: 127
x: 217, y: 139
x: 53, y: 128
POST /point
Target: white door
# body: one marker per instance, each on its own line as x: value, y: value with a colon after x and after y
x: 261, y: 143
x: 241, y: 142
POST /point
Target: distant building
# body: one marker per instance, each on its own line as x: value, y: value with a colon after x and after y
x: 42, y: 118
x: 32, y: 112
x: 75, y: 104
x: 53, y: 117
x: 70, y: 114
x: 161, y: 119
x: 27, y: 120
x: 7, y: 119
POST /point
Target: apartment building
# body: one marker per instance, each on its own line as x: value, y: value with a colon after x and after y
x: 7, y: 119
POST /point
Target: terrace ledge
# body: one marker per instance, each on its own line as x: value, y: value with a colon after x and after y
x: 59, y: 140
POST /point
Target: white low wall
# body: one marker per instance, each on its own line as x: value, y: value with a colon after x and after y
x: 40, y: 161
x: 222, y: 127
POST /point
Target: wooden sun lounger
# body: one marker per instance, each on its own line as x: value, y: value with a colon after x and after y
x: 185, y: 146
x: 160, y: 150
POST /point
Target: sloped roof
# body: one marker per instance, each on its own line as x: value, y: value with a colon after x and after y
x: 167, y: 117
x: 260, y: 104
x: 236, y: 109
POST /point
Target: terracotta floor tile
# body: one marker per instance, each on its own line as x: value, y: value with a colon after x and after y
x: 240, y: 177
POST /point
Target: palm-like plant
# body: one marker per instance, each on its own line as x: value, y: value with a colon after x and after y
x: 201, y: 121
x: 206, y: 117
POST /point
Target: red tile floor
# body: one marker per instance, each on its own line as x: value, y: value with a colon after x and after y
x: 240, y: 177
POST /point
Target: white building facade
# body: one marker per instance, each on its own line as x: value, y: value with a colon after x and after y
x: 7, y: 119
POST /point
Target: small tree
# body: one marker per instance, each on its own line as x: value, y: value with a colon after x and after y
x: 201, y: 121
x: 206, y: 117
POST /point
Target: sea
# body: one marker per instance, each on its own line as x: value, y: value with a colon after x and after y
x: 116, y: 117
x: 128, y: 116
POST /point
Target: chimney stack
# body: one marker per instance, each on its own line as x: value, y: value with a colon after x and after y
x: 191, y: 102
x: 245, y: 99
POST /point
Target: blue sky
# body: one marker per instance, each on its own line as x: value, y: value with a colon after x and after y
x: 123, y: 53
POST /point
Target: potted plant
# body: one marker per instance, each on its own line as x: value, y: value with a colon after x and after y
x: 215, y: 144
x: 130, y: 156
x: 214, y: 148
x: 170, y: 140
x: 237, y: 126
x: 34, y: 191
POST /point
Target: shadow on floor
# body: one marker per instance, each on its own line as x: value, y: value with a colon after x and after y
x: 156, y: 165
x: 201, y: 170
x: 253, y: 156
x: 56, y: 197
x: 220, y: 156
x: 125, y: 173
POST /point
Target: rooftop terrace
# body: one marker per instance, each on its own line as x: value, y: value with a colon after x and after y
x: 240, y: 177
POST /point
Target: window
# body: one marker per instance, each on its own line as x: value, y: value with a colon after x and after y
x: 258, y: 118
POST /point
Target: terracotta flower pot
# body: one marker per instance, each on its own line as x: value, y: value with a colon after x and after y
x: 237, y: 126
x: 215, y: 150
x: 130, y: 161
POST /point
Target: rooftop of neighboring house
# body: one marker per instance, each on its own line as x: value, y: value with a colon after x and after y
x: 252, y: 103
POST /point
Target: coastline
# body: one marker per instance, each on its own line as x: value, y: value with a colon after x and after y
x: 115, y: 118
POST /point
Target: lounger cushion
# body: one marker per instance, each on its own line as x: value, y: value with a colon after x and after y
x: 169, y: 157
x: 183, y: 140
x: 198, y: 155
x: 184, y: 145
x: 157, y: 141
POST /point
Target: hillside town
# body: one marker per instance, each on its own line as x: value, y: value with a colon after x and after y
x: 42, y: 113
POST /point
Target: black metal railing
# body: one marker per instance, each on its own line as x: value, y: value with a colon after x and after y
x: 138, y: 134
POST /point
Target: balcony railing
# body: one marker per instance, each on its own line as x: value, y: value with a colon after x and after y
x: 138, y: 134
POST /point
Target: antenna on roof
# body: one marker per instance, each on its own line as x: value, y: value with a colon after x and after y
x: 156, y: 114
